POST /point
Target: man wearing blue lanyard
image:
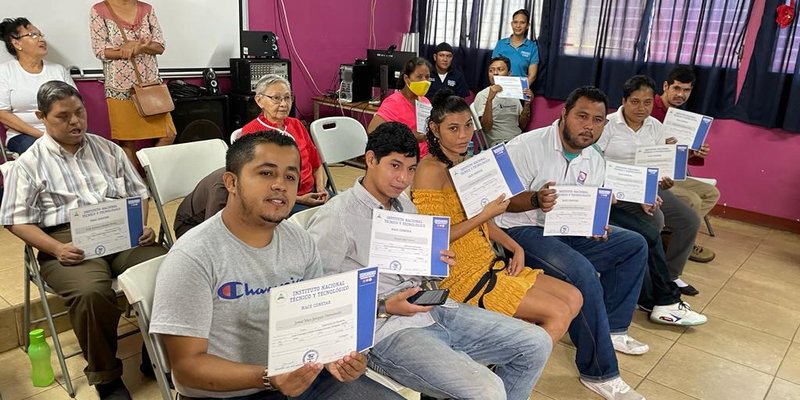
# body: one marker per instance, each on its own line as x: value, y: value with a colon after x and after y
x: 523, y: 52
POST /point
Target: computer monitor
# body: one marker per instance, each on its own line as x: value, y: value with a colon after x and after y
x: 392, y: 62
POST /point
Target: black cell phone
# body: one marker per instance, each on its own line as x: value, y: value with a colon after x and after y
x: 430, y: 297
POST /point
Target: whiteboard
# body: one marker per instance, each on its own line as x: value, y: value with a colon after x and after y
x: 199, y: 33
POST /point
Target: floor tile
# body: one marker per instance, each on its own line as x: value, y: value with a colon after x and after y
x: 785, y: 267
x: 11, y: 285
x: 655, y: 391
x: 754, y: 313
x: 560, y: 377
x: 770, y: 289
x: 709, y: 377
x: 782, y: 390
x: 732, y: 252
x: 8, y: 330
x: 724, y: 226
x: 15, y: 380
x: 643, y: 364
x: 708, y: 290
x: 790, y: 369
x: 712, y: 273
x: 734, y: 342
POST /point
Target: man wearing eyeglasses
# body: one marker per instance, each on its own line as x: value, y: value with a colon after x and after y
x: 274, y: 96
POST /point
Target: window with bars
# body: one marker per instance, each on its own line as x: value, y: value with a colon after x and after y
x: 787, y: 45
x: 452, y: 21
x: 700, y: 32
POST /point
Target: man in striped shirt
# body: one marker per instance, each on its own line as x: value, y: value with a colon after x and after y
x: 68, y: 168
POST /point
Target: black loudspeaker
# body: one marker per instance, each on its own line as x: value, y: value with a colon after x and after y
x: 259, y: 44
x: 243, y: 109
x: 211, y: 82
x: 201, y: 118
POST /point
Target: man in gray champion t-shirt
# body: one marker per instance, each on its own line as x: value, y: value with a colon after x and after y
x: 211, y: 303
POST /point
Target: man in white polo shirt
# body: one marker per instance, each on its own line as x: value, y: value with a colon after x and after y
x: 562, y: 154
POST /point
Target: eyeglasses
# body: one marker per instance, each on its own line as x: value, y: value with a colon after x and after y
x: 33, y: 35
x: 280, y: 99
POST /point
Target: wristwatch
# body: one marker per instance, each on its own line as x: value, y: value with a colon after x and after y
x: 535, y: 200
x: 267, y: 382
x: 382, y: 308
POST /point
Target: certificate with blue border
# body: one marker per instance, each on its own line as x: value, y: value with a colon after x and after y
x: 409, y: 244
x: 108, y: 227
x: 671, y: 160
x: 687, y: 127
x: 632, y: 183
x: 579, y: 211
x: 321, y: 320
x: 484, y: 177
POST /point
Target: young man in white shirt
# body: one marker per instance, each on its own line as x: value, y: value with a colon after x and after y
x: 502, y: 119
x: 439, y: 351
x: 608, y: 270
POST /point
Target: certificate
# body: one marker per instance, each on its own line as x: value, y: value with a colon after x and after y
x: 108, y: 227
x: 689, y: 128
x: 409, y: 244
x: 579, y: 211
x: 632, y: 183
x: 513, y: 87
x: 321, y: 320
x: 423, y: 113
x: 670, y: 160
x: 484, y: 177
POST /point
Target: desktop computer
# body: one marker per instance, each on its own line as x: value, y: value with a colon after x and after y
x: 356, y: 83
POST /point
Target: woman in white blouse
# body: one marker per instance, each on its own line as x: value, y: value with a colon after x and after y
x: 21, y: 78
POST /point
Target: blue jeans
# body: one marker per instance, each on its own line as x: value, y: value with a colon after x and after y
x: 327, y: 387
x: 448, y: 359
x: 18, y: 144
x: 608, y: 301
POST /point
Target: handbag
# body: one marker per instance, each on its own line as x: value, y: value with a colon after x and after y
x: 151, y: 98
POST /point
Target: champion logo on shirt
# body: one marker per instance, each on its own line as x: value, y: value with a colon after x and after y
x: 234, y: 289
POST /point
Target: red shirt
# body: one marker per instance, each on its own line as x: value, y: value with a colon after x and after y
x: 309, y: 157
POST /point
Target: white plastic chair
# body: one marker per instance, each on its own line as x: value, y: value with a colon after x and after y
x: 338, y: 139
x: 174, y: 171
x: 712, y: 182
x: 236, y: 135
x: 483, y: 144
x: 139, y: 284
x: 303, y: 217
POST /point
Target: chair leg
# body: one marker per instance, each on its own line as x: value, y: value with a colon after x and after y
x: 26, y: 307
x: 708, y: 226
x: 56, y: 341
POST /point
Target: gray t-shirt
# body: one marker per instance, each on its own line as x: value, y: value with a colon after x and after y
x: 214, y: 286
x: 505, y: 117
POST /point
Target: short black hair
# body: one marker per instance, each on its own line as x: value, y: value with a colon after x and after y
x: 443, y: 103
x: 524, y: 12
x: 392, y: 137
x: 681, y: 73
x: 590, y: 92
x: 8, y: 30
x: 637, y: 82
x: 243, y: 150
x: 503, y: 59
x: 53, y: 91
x: 409, y: 68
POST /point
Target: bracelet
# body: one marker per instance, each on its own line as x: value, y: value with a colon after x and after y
x: 535, y: 200
x: 267, y: 382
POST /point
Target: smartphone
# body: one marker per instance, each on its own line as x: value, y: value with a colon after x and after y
x: 430, y: 297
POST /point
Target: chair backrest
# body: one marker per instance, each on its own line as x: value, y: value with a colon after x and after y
x: 5, y: 167
x: 338, y: 138
x: 301, y: 218
x: 476, y: 120
x: 174, y: 171
x: 236, y: 135
x: 483, y: 144
x: 139, y: 285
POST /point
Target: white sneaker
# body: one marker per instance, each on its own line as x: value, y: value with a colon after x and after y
x: 679, y: 313
x: 614, y: 389
x: 628, y: 345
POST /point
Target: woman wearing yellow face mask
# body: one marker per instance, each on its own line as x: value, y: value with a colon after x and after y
x: 401, y: 105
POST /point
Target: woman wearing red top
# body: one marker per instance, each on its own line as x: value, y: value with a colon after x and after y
x: 274, y: 96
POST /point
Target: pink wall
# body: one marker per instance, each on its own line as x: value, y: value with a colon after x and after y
x: 329, y: 33
x: 756, y: 168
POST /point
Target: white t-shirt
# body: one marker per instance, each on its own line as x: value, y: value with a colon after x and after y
x: 505, y: 117
x: 619, y: 142
x: 538, y: 157
x: 18, y: 90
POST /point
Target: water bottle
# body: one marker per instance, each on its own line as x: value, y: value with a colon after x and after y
x: 39, y: 353
x: 470, y: 149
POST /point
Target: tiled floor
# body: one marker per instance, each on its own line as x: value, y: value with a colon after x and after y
x: 750, y: 349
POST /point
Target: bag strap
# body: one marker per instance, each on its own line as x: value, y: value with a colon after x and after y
x: 116, y: 20
x: 487, y: 280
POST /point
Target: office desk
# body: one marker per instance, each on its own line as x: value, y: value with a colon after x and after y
x: 362, y: 107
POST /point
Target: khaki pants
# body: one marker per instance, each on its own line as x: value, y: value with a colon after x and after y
x: 700, y: 196
x: 93, y: 309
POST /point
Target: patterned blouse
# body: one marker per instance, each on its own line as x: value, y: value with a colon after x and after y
x: 119, y: 74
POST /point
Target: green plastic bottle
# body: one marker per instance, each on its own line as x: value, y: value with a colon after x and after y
x: 39, y: 353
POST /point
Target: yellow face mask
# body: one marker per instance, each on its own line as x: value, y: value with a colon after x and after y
x: 419, y: 88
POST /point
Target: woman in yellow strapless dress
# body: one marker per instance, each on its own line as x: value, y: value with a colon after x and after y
x: 480, y: 278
